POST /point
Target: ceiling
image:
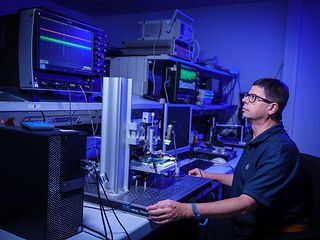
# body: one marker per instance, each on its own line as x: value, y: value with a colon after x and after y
x: 98, y: 8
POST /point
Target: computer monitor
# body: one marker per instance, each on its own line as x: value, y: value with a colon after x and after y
x: 52, y: 52
x: 59, y: 53
x: 184, y: 84
x: 188, y: 79
x: 179, y: 116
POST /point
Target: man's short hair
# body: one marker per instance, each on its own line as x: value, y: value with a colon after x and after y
x: 276, y: 91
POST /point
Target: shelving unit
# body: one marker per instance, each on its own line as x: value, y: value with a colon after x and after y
x: 135, y: 67
x: 138, y: 69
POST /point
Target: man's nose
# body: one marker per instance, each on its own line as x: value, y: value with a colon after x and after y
x: 244, y: 99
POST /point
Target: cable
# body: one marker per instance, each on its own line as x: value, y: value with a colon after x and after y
x: 174, y: 143
x: 43, y: 117
x: 114, y: 213
x: 239, y: 85
x: 103, y: 213
x: 279, y: 71
x: 70, y: 115
x: 165, y: 87
x: 223, y: 164
x: 231, y: 90
x: 193, y: 50
x: 96, y: 208
x: 95, y: 231
x: 177, y: 124
x: 99, y: 182
x: 229, y: 165
x: 154, y: 60
x: 171, y: 26
x: 237, y: 79
x: 189, y: 51
x: 87, y: 232
x: 198, y: 49
x: 92, y: 125
x: 101, y: 206
x: 102, y: 210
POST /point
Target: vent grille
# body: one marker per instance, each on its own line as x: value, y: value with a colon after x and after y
x: 9, y: 69
x: 64, y: 211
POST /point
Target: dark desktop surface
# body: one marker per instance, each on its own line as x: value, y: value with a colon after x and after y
x: 201, y: 164
x: 209, y: 152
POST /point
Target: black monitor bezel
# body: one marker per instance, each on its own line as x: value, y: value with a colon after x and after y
x: 165, y: 126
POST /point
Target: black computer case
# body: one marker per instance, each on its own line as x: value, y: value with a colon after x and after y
x: 41, y: 182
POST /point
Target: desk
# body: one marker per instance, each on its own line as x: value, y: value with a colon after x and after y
x: 136, y: 226
x: 228, y: 167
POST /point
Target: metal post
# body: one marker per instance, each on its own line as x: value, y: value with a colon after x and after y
x: 116, y: 116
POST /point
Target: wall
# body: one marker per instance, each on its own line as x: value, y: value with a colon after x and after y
x: 248, y: 36
x: 11, y: 6
x: 120, y: 27
x: 303, y: 52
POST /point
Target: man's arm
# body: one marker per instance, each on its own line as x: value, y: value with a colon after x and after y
x: 225, y: 179
x: 169, y: 210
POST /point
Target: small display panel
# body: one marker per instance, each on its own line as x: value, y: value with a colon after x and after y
x: 187, y: 85
x: 187, y: 79
x: 63, y: 47
x: 186, y: 74
x: 179, y: 116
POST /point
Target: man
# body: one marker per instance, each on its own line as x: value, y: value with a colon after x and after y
x: 266, y: 185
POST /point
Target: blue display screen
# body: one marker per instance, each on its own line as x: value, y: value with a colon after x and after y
x: 64, y: 47
x: 187, y: 85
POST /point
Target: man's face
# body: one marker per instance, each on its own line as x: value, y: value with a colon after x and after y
x: 258, y: 109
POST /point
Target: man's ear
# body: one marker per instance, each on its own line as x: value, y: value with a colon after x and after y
x: 273, y: 108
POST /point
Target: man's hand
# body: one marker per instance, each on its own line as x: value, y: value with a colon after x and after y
x: 168, y: 211
x: 196, y: 172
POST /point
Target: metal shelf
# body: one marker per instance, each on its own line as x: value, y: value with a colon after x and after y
x: 190, y: 63
x: 139, y: 102
x: 47, y: 106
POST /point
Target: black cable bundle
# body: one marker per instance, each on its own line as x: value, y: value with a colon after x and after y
x: 101, y: 206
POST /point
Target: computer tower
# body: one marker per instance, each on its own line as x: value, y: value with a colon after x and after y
x: 41, y: 182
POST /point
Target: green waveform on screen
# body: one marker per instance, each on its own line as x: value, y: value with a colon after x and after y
x: 48, y: 39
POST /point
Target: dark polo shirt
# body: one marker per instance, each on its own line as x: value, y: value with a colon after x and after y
x: 269, y: 172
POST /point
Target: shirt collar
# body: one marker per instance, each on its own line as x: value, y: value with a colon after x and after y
x: 264, y: 135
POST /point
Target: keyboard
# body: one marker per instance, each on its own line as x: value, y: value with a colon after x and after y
x: 37, y: 126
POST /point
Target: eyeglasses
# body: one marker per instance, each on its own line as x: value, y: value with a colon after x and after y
x: 253, y: 97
